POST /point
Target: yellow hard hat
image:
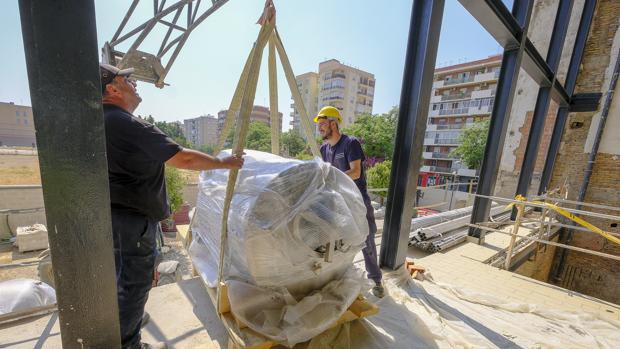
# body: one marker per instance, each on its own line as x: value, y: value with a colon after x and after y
x: 329, y: 112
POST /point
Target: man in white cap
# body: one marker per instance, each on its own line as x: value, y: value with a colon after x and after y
x: 137, y: 152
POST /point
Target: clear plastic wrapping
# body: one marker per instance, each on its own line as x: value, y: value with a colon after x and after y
x: 293, y: 230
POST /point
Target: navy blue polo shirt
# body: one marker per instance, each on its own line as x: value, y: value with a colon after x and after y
x: 136, y: 152
x: 348, y: 149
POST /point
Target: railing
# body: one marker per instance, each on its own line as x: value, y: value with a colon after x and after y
x: 454, y: 96
x: 459, y: 80
x: 450, y: 127
x: 442, y: 155
x: 441, y: 169
x: 332, y: 98
x: 453, y: 111
x: 446, y: 141
x: 550, y: 214
x: 331, y: 87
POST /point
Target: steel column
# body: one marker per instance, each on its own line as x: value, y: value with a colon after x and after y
x: 424, y: 29
x: 500, y: 116
x: 537, y: 125
x: 571, y: 79
x: 66, y: 101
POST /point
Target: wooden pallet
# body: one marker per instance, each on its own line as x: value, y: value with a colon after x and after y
x: 242, y: 337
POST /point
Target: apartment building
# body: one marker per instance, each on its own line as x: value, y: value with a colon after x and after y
x: 259, y: 113
x: 308, y: 85
x: 462, y: 94
x: 16, y: 125
x: 349, y: 89
x: 202, y: 130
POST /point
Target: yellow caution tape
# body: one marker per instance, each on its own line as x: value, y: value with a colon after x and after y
x: 572, y: 217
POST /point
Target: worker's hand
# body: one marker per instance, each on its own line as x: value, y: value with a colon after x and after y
x: 232, y: 162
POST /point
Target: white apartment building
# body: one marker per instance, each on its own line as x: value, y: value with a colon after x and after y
x: 202, y: 130
x: 16, y: 125
x: 462, y: 94
x: 349, y: 89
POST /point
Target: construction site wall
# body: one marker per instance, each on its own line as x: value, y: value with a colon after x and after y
x: 588, y: 274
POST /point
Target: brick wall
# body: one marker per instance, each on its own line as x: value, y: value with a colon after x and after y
x: 544, y: 140
x: 592, y: 275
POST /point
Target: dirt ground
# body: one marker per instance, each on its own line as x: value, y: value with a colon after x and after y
x: 19, y: 170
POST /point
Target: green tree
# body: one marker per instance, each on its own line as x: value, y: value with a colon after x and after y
x: 378, y: 177
x: 376, y: 133
x: 292, y: 142
x: 174, y: 187
x: 472, y: 142
x: 171, y: 129
x: 258, y: 137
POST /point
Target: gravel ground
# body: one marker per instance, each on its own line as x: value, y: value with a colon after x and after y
x: 173, y: 250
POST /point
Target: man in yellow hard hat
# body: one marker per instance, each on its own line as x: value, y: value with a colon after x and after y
x: 346, y: 154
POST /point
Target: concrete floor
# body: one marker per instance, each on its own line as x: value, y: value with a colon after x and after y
x: 183, y: 315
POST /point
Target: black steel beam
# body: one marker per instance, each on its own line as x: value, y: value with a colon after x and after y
x: 571, y: 79
x: 562, y: 18
x: 424, y: 29
x: 504, y: 27
x: 500, y: 116
x: 583, y: 102
x: 496, y: 19
x: 60, y: 42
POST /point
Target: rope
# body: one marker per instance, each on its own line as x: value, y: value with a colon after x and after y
x: 241, y: 107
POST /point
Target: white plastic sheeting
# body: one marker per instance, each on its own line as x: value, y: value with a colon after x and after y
x: 428, y: 314
x: 283, y: 216
x: 23, y: 294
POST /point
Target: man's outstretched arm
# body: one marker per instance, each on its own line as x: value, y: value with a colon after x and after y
x: 194, y: 160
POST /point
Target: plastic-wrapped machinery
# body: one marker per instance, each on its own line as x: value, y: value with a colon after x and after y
x: 293, y: 230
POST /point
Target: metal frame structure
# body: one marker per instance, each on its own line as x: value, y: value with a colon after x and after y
x: 510, y: 31
x: 415, y: 95
x: 148, y: 66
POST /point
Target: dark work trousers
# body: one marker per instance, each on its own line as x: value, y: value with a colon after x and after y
x: 134, y: 253
x: 370, y: 251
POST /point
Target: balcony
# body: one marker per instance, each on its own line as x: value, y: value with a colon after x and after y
x: 480, y: 110
x: 455, y: 96
x: 486, y: 76
x: 437, y: 169
x: 332, y: 98
x: 437, y: 155
x: 338, y: 75
x: 450, y: 141
x: 457, y: 111
x: 467, y: 172
x: 483, y: 93
x: 429, y: 141
x: 449, y: 127
x: 461, y: 80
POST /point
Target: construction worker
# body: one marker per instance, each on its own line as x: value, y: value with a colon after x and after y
x: 137, y: 152
x: 346, y: 154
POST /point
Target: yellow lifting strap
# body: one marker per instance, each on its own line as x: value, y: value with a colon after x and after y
x: 572, y: 217
x: 241, y: 107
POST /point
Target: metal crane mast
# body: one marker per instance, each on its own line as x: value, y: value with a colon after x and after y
x: 150, y: 66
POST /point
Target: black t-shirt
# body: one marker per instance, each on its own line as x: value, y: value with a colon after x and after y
x: 136, y: 152
x: 348, y: 149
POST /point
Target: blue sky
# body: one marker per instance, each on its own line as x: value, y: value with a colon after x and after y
x: 367, y: 34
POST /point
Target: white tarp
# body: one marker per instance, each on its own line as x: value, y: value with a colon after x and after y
x: 427, y: 314
x: 23, y: 294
